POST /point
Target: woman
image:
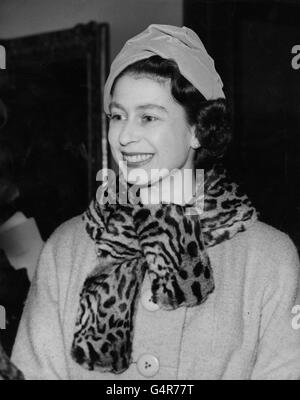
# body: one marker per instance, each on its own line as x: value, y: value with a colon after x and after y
x: 161, y: 286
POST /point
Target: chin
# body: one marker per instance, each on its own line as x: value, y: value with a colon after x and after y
x: 137, y: 177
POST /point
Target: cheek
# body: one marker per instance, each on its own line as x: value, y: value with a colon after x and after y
x: 112, y: 137
x: 172, y: 150
x: 176, y: 141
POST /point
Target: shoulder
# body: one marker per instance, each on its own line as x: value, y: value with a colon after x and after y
x: 68, y: 242
x: 68, y: 232
x: 268, y: 251
x: 266, y: 239
x: 70, y: 237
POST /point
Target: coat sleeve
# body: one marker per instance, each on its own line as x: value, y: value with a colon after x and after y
x: 39, y: 348
x: 278, y: 352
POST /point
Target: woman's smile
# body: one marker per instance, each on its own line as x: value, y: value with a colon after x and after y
x: 135, y: 159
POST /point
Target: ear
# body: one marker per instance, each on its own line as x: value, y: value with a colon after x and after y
x: 194, y: 141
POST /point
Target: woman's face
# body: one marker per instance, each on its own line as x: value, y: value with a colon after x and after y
x: 148, y: 130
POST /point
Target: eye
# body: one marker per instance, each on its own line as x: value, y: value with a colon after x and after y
x: 115, y: 117
x: 149, y: 118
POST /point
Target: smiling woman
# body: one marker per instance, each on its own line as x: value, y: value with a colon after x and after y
x: 158, y: 120
x: 150, y: 289
x: 150, y: 129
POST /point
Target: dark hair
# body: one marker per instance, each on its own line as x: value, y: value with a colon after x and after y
x: 211, y: 117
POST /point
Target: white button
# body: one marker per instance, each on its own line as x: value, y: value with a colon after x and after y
x: 147, y: 301
x: 148, y: 365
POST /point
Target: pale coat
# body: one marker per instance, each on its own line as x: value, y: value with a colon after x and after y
x: 244, y: 330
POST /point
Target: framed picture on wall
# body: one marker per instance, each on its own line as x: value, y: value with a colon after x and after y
x: 53, y: 88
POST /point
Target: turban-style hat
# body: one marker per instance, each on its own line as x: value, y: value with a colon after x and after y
x: 171, y: 42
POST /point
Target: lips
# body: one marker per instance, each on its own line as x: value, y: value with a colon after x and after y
x: 136, y: 159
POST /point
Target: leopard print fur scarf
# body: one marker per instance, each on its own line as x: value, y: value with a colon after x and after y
x: 165, y: 241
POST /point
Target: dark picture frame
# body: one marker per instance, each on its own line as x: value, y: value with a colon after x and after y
x: 53, y: 89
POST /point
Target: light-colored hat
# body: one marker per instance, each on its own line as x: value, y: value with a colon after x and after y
x: 171, y: 42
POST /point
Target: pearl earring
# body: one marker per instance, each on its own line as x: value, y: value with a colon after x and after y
x: 195, y: 143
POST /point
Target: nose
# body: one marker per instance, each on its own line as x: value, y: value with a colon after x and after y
x: 130, y: 132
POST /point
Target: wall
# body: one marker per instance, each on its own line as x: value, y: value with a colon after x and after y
x: 126, y: 17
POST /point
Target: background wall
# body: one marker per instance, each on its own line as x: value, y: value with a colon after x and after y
x: 125, y: 17
x: 47, y: 98
x: 251, y: 42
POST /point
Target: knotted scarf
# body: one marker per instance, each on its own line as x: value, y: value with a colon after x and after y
x: 166, y: 241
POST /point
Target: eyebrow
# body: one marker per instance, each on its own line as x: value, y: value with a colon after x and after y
x: 140, y: 107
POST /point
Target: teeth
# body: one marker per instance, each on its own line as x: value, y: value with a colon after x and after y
x: 137, y: 158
